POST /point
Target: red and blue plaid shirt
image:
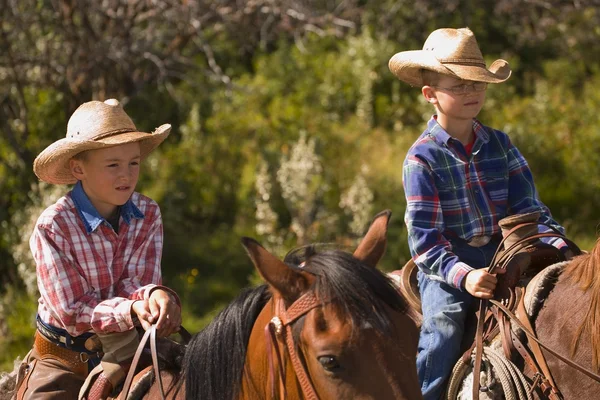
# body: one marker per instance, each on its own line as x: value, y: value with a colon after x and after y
x: 452, y: 195
x: 89, y: 275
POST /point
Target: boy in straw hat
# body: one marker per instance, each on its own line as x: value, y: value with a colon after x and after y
x: 97, y: 253
x: 460, y: 179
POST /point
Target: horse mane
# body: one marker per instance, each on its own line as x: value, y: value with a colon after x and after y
x: 214, y: 361
x: 583, y: 271
x: 361, y: 292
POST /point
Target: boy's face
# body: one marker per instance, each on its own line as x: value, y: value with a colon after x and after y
x: 108, y: 176
x: 456, y: 98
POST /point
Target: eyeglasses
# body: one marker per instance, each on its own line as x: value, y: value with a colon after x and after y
x: 465, y: 87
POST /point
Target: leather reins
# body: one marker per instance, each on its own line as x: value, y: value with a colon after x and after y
x: 150, y: 334
x: 280, y: 328
x: 500, y: 261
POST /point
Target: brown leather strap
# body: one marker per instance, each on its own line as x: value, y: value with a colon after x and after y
x: 281, y: 327
x: 154, y: 353
x: 74, y: 360
x: 502, y: 256
x: 479, y: 347
x: 500, y: 260
x: 521, y: 323
x: 150, y: 333
x: 533, y: 345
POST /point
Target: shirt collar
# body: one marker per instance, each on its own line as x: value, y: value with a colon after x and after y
x: 91, y: 217
x: 442, y: 137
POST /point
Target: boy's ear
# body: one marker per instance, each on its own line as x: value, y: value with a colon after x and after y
x: 429, y: 94
x: 76, y: 168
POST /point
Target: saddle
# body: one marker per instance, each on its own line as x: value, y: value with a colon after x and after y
x: 522, y: 255
x: 522, y: 259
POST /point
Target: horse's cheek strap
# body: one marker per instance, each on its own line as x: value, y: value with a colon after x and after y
x: 307, y: 387
x: 271, y: 339
x: 300, y: 307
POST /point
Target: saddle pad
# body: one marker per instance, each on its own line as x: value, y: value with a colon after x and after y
x: 540, y: 286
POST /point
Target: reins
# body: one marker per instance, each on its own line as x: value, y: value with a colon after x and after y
x: 500, y: 261
x: 150, y: 334
x: 280, y: 328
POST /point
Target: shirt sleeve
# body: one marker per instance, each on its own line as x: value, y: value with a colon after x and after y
x: 66, y: 292
x: 523, y: 196
x: 430, y: 249
x: 143, y: 272
x: 143, y: 267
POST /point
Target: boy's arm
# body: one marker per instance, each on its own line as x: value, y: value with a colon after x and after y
x: 523, y: 196
x: 430, y: 249
x: 143, y: 273
x: 66, y: 292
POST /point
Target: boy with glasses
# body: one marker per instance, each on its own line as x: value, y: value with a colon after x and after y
x: 460, y: 179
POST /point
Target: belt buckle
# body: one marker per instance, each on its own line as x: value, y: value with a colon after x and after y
x: 479, y: 241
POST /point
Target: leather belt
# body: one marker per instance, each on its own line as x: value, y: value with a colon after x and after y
x: 74, y: 360
x: 83, y: 342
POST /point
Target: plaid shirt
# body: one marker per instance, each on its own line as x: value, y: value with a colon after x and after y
x: 452, y: 195
x: 88, y: 275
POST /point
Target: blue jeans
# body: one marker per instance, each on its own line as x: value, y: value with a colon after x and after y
x: 444, y: 313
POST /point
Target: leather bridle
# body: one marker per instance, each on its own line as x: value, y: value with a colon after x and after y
x: 280, y: 328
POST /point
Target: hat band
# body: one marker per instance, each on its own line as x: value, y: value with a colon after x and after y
x: 112, y: 133
x: 477, y: 63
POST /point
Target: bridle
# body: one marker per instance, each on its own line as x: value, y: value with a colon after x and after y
x: 280, y: 328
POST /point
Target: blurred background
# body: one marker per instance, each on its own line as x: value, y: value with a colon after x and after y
x: 287, y: 124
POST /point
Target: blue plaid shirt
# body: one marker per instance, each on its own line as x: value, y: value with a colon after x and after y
x: 452, y: 195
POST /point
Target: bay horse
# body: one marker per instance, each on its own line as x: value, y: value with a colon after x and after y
x: 326, y: 325
x: 569, y: 323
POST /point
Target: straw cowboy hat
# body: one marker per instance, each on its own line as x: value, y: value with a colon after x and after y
x: 94, y: 125
x: 452, y: 52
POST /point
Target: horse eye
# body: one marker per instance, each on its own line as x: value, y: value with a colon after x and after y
x: 329, y: 363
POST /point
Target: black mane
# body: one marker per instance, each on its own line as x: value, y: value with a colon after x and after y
x: 214, y: 360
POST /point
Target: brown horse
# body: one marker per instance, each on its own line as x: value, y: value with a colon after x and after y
x: 328, y: 325
x: 569, y: 323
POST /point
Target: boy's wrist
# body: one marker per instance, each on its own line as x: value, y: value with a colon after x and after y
x: 458, y: 274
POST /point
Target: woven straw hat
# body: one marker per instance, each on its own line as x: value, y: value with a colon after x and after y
x: 94, y: 125
x: 452, y: 52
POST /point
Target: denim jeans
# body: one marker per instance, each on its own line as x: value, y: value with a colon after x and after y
x: 444, y: 313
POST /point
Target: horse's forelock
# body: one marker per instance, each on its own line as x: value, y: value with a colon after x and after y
x: 362, y: 293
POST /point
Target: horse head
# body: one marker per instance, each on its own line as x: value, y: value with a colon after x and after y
x: 334, y: 328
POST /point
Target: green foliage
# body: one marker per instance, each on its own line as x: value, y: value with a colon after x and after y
x: 18, y: 310
x: 241, y: 100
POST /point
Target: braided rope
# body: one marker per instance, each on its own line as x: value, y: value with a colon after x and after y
x: 513, y: 382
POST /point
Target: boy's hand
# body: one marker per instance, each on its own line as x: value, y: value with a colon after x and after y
x: 481, y: 283
x: 165, y: 313
x: 141, y: 309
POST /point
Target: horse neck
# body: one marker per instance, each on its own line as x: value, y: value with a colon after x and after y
x: 257, y: 381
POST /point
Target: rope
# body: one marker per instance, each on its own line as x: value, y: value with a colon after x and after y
x: 513, y: 382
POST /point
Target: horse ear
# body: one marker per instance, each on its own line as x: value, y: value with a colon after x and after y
x: 290, y: 284
x: 372, y: 246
